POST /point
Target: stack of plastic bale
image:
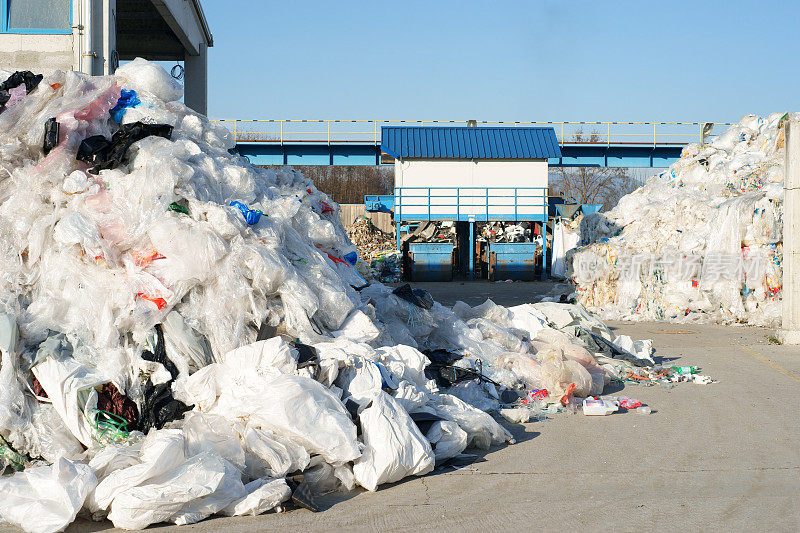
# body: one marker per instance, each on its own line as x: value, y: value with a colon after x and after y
x: 699, y: 242
x: 181, y: 334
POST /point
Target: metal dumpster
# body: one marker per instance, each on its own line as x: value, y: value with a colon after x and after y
x: 587, y: 209
x: 513, y: 260
x: 431, y: 261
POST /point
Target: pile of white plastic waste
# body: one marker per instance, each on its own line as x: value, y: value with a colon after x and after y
x: 699, y: 242
x: 184, y: 334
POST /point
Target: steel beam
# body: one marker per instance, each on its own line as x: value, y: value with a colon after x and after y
x: 294, y: 153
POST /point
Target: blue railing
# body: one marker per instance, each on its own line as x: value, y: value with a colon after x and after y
x: 470, y: 204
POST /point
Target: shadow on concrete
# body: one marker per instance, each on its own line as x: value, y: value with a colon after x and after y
x: 82, y: 525
x: 613, y: 387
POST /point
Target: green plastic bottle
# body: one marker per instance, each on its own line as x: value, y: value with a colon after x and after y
x: 685, y: 370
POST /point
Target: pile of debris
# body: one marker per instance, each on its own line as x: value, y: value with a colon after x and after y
x: 702, y: 241
x: 183, y: 334
x: 506, y: 232
x: 377, y: 250
x: 370, y: 240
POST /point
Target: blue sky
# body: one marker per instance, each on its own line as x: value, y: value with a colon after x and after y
x: 556, y: 60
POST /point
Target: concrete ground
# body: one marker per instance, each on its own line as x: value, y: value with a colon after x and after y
x: 723, y: 456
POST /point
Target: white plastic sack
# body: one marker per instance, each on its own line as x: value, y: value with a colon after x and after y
x: 263, y: 357
x: 307, y: 413
x: 294, y: 407
x: 393, y: 446
x: 563, y: 242
x: 357, y: 327
x: 360, y: 380
x: 447, y: 439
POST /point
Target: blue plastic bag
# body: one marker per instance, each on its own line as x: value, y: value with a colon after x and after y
x: 251, y: 216
x: 126, y: 99
x: 351, y: 258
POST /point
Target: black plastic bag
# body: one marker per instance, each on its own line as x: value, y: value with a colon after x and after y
x: 418, y: 297
x: 266, y: 331
x: 306, y: 355
x: 93, y: 150
x: 159, y: 407
x: 104, y: 154
x: 424, y: 420
x: 50, y: 135
x: 161, y: 353
x: 442, y: 357
x: 129, y: 134
x: 448, y: 375
x: 27, y: 77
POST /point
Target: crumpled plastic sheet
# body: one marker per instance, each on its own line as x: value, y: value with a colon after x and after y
x: 92, y: 263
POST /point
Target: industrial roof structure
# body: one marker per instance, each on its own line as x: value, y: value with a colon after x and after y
x: 469, y: 143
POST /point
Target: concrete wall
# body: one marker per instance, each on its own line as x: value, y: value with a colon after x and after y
x: 41, y: 54
x: 350, y: 212
x: 471, y: 173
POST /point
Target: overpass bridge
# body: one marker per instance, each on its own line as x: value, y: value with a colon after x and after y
x: 357, y: 142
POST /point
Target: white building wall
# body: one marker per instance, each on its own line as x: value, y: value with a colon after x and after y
x: 494, y: 175
x: 38, y: 53
x: 471, y: 173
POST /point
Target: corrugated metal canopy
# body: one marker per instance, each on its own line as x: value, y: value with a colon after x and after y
x: 469, y: 143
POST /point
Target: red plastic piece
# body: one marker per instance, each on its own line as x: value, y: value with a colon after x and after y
x: 161, y: 303
x: 336, y: 259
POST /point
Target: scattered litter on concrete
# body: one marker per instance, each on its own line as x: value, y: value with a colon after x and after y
x: 702, y: 241
x: 183, y: 334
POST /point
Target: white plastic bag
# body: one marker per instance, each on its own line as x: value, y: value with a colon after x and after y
x: 212, y: 433
x: 268, y: 455
x: 263, y: 494
x: 147, y: 76
x: 71, y: 387
x: 161, y: 452
x: 174, y: 494
x: 482, y: 430
x: 45, y: 499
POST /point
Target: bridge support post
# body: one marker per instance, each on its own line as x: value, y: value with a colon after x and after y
x: 790, y: 321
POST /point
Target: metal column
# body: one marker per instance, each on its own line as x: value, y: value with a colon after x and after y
x: 471, y: 248
x: 544, y: 250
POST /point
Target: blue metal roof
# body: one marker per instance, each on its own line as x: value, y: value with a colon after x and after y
x: 469, y: 143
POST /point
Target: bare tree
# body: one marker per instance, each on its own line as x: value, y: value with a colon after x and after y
x: 349, y: 184
x: 592, y: 185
